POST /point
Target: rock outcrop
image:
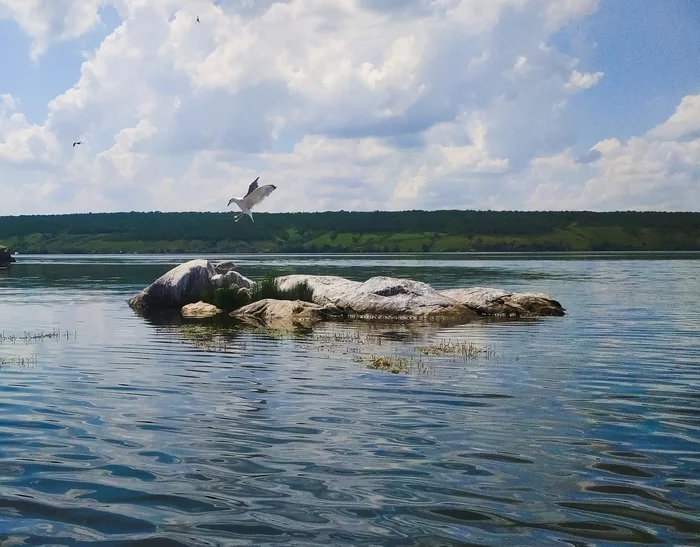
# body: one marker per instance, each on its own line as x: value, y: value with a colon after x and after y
x: 200, y: 310
x: 500, y: 303
x: 5, y: 255
x: 337, y: 297
x: 181, y: 285
x: 286, y: 313
x: 391, y: 297
x: 381, y: 297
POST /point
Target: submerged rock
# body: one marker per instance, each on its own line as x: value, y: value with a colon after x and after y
x: 181, y: 285
x: 536, y: 304
x: 286, y: 313
x: 200, y: 310
x: 380, y: 297
x: 5, y: 255
x: 500, y: 303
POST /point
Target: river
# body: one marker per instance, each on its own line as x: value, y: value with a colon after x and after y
x: 117, y: 429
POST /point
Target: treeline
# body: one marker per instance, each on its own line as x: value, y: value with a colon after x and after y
x: 342, y: 231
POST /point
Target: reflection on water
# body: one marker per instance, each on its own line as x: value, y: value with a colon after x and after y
x: 580, y: 430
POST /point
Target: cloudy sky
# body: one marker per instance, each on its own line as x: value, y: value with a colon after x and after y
x: 349, y: 104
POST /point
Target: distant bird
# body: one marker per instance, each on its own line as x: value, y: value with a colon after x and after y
x: 79, y: 142
x: 197, y: 19
x: 254, y: 196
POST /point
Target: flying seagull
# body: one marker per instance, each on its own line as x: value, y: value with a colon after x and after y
x: 79, y: 142
x: 254, y: 196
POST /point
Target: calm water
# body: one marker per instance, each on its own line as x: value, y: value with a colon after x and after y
x: 581, y: 430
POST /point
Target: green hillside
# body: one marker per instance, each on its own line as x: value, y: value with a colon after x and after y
x: 341, y: 231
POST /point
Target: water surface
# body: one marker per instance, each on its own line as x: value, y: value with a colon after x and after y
x: 580, y: 430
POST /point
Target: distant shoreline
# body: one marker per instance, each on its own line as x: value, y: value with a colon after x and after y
x: 352, y: 232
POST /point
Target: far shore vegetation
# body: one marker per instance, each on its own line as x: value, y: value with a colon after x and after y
x: 342, y: 232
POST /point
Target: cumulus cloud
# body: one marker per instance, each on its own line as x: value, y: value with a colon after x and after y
x: 685, y: 121
x: 641, y: 173
x: 22, y: 143
x: 344, y: 104
x: 51, y: 21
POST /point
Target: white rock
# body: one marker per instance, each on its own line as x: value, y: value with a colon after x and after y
x: 231, y: 278
x: 380, y: 296
x: 224, y: 266
x: 181, y: 285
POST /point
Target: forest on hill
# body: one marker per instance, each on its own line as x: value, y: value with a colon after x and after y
x: 341, y: 231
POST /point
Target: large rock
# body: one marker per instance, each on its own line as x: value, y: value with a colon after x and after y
x: 5, y: 255
x: 391, y: 297
x: 231, y: 278
x: 224, y: 266
x: 500, y: 303
x: 286, y: 313
x: 200, y: 310
x: 181, y: 285
x: 380, y: 297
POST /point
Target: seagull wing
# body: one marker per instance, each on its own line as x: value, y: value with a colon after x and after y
x: 253, y: 186
x: 259, y: 194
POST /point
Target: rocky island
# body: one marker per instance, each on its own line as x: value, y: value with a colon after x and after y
x: 189, y: 286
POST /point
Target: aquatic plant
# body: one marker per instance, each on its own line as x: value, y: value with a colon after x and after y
x: 22, y: 362
x: 268, y: 287
x: 467, y: 350
x: 226, y: 298
x: 301, y: 291
x: 212, y: 338
x: 37, y: 336
x: 396, y: 364
x: 230, y: 298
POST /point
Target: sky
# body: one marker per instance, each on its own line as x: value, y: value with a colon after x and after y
x: 349, y: 104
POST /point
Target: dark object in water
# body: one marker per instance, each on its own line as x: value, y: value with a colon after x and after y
x: 5, y: 256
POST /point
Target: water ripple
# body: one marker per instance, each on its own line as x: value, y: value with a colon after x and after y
x: 582, y: 430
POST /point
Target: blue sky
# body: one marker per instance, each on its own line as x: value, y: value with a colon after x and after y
x: 650, y: 54
x: 349, y: 104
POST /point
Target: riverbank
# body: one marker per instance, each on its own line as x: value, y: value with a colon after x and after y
x: 343, y: 232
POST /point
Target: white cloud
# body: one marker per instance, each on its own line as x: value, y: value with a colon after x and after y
x: 641, y: 173
x: 352, y: 104
x: 583, y: 80
x: 51, y: 21
x: 684, y: 121
x: 121, y: 157
x: 562, y: 11
x: 22, y: 143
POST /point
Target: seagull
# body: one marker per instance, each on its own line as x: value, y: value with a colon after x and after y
x: 79, y: 142
x: 254, y: 196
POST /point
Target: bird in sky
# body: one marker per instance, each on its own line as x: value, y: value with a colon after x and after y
x: 78, y: 142
x: 254, y: 196
x: 197, y: 19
